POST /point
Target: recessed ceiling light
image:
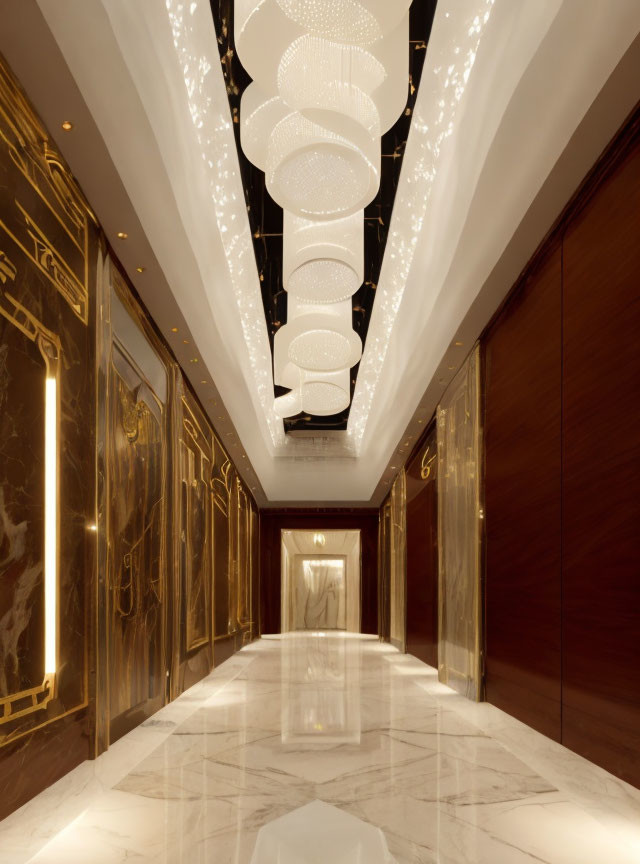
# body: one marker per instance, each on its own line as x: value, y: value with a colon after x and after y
x: 451, y: 367
x: 174, y: 329
x: 203, y: 382
x: 194, y: 359
x: 458, y: 344
x: 122, y: 235
x: 186, y: 341
x: 140, y: 269
x: 67, y: 125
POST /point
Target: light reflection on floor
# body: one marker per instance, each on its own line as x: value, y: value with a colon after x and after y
x: 347, y: 721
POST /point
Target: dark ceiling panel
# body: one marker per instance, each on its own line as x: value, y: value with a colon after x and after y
x: 265, y: 216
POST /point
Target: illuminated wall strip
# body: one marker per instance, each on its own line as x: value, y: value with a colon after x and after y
x: 51, y: 526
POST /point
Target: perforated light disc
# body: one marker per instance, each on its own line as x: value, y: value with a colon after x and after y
x: 320, y: 350
x: 323, y: 281
x: 337, y: 239
x: 322, y: 180
x: 359, y: 22
x: 311, y: 70
x: 324, y: 398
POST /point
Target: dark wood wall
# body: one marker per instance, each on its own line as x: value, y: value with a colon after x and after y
x: 562, y: 429
x: 273, y: 522
x: 522, y: 361
x: 601, y: 473
x: 422, y: 551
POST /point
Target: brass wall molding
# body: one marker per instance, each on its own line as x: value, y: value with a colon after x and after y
x: 51, y: 222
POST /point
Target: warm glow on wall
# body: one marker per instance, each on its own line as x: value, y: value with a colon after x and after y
x: 51, y: 526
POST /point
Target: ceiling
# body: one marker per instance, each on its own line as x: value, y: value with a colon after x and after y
x: 516, y: 102
x: 265, y: 216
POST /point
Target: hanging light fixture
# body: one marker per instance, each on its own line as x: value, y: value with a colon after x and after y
x: 329, y: 78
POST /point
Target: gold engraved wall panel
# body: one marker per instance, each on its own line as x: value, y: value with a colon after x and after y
x: 196, y: 463
x: 398, y: 562
x: 48, y: 255
x: 135, y: 516
x: 244, y: 551
x: 384, y: 568
x: 223, y: 487
x: 136, y: 528
x: 193, y: 654
x: 459, y: 534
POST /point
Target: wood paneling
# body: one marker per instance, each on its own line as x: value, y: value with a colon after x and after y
x: 562, y: 432
x: 422, y: 552
x: 601, y: 474
x: 523, y: 359
x: 273, y: 522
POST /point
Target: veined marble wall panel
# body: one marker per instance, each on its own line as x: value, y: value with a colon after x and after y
x: 318, y: 593
x: 398, y: 561
x: 49, y: 245
x: 459, y: 534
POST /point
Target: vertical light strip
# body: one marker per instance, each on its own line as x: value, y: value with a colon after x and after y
x: 50, y: 526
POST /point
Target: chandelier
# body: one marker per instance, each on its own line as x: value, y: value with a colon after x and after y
x: 330, y: 77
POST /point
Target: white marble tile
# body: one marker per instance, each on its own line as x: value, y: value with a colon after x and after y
x: 341, y: 720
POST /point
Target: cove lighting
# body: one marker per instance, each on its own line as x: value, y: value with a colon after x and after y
x: 462, y: 29
x: 51, y: 526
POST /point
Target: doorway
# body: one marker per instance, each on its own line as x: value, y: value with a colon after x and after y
x: 321, y: 580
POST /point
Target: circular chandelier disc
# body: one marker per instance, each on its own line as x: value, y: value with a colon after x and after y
x: 324, y: 398
x: 320, y: 350
x: 324, y: 280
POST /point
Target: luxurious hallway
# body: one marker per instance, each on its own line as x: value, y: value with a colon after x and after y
x: 346, y: 720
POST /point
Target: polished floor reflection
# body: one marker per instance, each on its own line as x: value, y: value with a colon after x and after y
x: 347, y: 721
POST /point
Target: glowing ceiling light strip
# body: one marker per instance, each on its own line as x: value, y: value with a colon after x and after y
x: 465, y: 24
x: 51, y: 526
x: 190, y: 26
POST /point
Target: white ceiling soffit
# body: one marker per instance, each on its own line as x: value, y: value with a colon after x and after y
x: 503, y: 88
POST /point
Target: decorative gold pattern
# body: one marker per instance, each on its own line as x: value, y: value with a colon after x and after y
x: 459, y: 534
x: 427, y: 461
x: 57, y: 242
x: 196, y: 452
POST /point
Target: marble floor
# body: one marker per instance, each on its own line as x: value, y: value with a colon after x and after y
x: 346, y: 721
